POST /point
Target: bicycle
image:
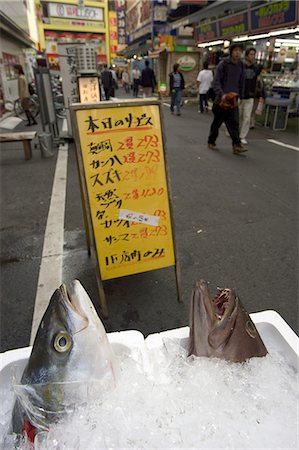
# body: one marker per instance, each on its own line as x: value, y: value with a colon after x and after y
x: 34, y: 107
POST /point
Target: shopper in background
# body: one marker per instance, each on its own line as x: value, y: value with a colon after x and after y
x: 259, y: 97
x: 204, y: 81
x: 176, y: 86
x: 24, y: 95
x: 228, y: 85
x: 125, y: 81
x: 114, y: 82
x: 148, y: 80
x: 107, y: 81
x: 136, y: 74
x: 251, y: 72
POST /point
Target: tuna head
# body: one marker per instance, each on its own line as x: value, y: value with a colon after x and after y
x: 221, y: 327
x: 70, y: 351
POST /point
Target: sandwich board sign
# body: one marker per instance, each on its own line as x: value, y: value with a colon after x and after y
x: 121, y: 161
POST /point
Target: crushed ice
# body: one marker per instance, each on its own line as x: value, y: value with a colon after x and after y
x: 174, y: 401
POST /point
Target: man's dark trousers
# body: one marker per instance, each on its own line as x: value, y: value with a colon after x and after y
x: 231, y: 119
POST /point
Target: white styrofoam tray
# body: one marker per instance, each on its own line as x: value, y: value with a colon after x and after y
x: 275, y: 332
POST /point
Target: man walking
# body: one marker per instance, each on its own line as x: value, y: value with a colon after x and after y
x: 107, y: 81
x: 246, y: 104
x: 228, y: 86
x: 148, y: 80
x: 204, y: 81
x: 176, y: 86
x: 136, y: 74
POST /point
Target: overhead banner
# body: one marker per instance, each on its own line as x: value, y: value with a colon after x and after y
x: 271, y: 15
x: 121, y: 154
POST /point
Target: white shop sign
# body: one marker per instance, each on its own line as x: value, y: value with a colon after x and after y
x: 75, y: 12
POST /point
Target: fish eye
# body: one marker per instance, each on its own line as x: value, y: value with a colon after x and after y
x: 62, y: 342
x: 250, y: 328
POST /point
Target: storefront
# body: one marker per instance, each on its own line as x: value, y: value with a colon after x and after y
x: 259, y: 26
x: 18, y: 43
x: 69, y: 22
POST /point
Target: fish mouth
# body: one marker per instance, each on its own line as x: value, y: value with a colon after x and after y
x: 219, y: 307
x: 223, y: 303
x: 72, y: 298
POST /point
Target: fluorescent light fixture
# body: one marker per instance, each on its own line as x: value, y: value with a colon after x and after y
x: 267, y: 35
x: 287, y: 41
x: 208, y: 44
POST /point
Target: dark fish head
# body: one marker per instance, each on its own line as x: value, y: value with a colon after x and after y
x: 221, y: 326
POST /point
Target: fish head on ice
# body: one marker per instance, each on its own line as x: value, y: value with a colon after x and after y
x: 71, y: 343
x: 221, y: 327
x: 70, y: 352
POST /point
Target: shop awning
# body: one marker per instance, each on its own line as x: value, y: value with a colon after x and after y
x: 156, y: 53
x: 139, y: 49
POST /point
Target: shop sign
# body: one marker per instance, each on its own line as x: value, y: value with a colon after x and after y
x: 75, y: 12
x: 268, y: 16
x: 140, y: 18
x: 206, y: 31
x: 121, y: 160
x: 89, y: 90
x: 87, y: 24
x: 139, y: 15
x: 186, y: 63
x: 233, y: 25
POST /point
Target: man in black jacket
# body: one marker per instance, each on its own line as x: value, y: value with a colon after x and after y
x: 228, y: 86
x: 107, y: 81
x: 148, y: 80
x: 176, y: 86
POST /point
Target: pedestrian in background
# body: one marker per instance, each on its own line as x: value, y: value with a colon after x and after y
x: 259, y: 97
x: 24, y: 95
x: 148, y: 80
x: 136, y: 74
x: 204, y: 81
x: 228, y: 85
x: 107, y: 81
x: 251, y: 72
x: 114, y: 81
x: 125, y: 81
x: 176, y: 86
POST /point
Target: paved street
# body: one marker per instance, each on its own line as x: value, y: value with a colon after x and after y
x: 235, y: 223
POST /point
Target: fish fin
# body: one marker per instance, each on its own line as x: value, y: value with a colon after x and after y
x: 223, y: 330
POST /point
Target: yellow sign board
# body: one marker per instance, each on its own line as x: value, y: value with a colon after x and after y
x: 89, y: 89
x: 124, y: 169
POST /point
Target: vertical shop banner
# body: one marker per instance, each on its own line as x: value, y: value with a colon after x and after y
x: 113, y: 35
x: 68, y: 69
x: 121, y: 155
x: 121, y: 21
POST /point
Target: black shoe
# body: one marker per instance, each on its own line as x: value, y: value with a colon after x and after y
x: 28, y: 124
x: 212, y: 146
x: 178, y: 114
x: 34, y: 123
